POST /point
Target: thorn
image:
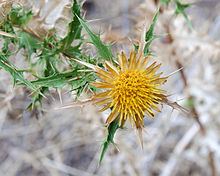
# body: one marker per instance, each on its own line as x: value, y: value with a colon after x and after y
x: 176, y: 106
x: 75, y: 104
x: 60, y: 96
x: 95, y: 20
x: 86, y: 64
x: 116, y: 146
x: 175, y: 72
x: 7, y: 34
x: 140, y: 137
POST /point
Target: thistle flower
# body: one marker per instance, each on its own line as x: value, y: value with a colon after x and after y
x: 131, y: 90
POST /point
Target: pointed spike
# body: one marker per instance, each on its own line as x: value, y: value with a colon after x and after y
x: 60, y: 96
x: 104, y: 74
x: 102, y: 94
x: 107, y: 106
x: 112, y: 116
x: 112, y: 128
x: 86, y: 64
x: 75, y: 104
x: 176, y: 106
x: 132, y: 60
x: 103, y: 101
x: 123, y: 61
x: 111, y: 68
x: 175, y: 72
x: 7, y: 34
x: 105, y: 146
x: 140, y: 137
x: 103, y: 85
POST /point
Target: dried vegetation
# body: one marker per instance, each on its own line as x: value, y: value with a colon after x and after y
x: 67, y: 141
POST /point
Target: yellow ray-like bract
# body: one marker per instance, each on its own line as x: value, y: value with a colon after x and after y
x: 130, y: 90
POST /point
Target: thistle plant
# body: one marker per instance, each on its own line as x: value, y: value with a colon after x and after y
x: 129, y: 86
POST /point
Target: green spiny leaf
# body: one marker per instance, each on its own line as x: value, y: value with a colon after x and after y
x: 73, y: 51
x: 149, y: 36
x: 17, y: 76
x: 57, y: 80
x: 28, y: 42
x: 103, y: 49
x: 5, y: 48
x: 180, y: 9
x: 8, y: 28
x: 75, y: 28
x: 19, y: 16
x: 112, y: 128
x: 37, y: 98
x: 47, y: 56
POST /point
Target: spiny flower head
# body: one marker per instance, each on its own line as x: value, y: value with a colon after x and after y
x: 131, y: 89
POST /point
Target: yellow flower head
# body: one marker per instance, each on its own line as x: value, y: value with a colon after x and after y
x: 130, y: 90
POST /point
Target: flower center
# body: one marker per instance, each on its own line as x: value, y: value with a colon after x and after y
x: 130, y: 90
x: 129, y: 83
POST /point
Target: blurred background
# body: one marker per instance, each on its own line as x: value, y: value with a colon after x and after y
x: 66, y: 142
